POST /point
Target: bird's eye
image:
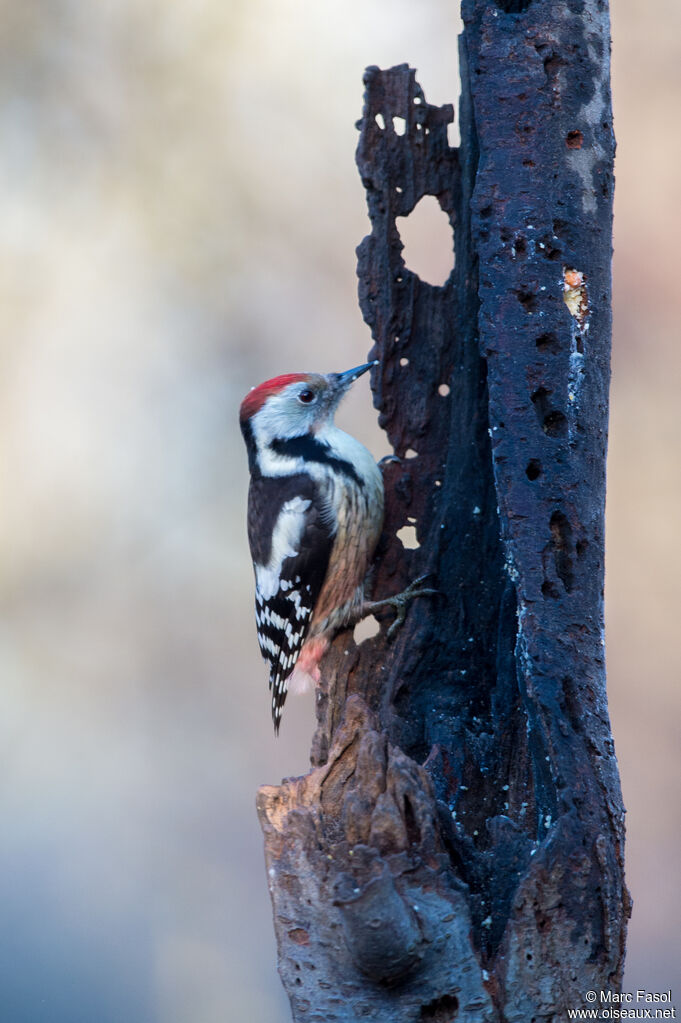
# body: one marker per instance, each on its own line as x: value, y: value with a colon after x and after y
x: 306, y: 396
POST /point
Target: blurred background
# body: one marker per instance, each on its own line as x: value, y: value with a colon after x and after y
x: 179, y: 209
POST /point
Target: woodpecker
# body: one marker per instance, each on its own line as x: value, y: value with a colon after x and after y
x: 315, y: 513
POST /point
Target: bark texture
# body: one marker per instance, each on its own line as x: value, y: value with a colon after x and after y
x: 456, y: 851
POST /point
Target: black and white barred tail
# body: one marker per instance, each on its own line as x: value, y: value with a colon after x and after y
x: 282, y: 622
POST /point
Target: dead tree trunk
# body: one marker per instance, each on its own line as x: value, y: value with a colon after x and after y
x: 456, y: 851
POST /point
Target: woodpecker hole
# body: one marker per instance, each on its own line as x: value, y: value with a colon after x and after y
x: 533, y: 470
x: 380, y: 121
x: 574, y: 140
x: 541, y: 400
x: 407, y: 537
x: 366, y: 629
x: 561, y: 543
x: 400, y: 125
x: 441, y: 1010
x: 561, y: 228
x: 527, y: 299
x: 547, y: 342
x: 410, y: 453
x: 443, y: 390
x: 427, y: 241
x: 404, y: 362
x: 549, y: 250
x: 438, y: 483
x: 554, y: 424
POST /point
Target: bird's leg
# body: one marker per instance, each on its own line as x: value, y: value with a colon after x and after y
x: 399, y: 602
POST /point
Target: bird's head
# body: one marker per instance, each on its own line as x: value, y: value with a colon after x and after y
x: 295, y: 404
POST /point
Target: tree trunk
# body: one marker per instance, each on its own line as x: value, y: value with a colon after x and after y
x: 456, y: 851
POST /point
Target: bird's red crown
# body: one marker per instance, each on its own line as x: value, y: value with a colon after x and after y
x: 257, y: 396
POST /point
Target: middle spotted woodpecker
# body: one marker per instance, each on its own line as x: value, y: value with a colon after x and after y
x: 315, y: 513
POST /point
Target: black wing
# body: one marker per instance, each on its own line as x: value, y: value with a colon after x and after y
x: 291, y: 542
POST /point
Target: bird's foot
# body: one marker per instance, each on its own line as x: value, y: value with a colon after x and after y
x: 399, y: 602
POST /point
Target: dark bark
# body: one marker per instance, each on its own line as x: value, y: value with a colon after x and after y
x: 456, y: 851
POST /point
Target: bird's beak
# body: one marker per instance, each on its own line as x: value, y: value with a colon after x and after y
x: 341, y: 381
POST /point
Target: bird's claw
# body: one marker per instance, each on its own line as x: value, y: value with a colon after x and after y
x: 401, y: 601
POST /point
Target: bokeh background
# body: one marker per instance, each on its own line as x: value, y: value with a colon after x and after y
x: 179, y: 208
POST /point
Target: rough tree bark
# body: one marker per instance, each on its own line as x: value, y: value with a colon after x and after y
x: 456, y: 851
